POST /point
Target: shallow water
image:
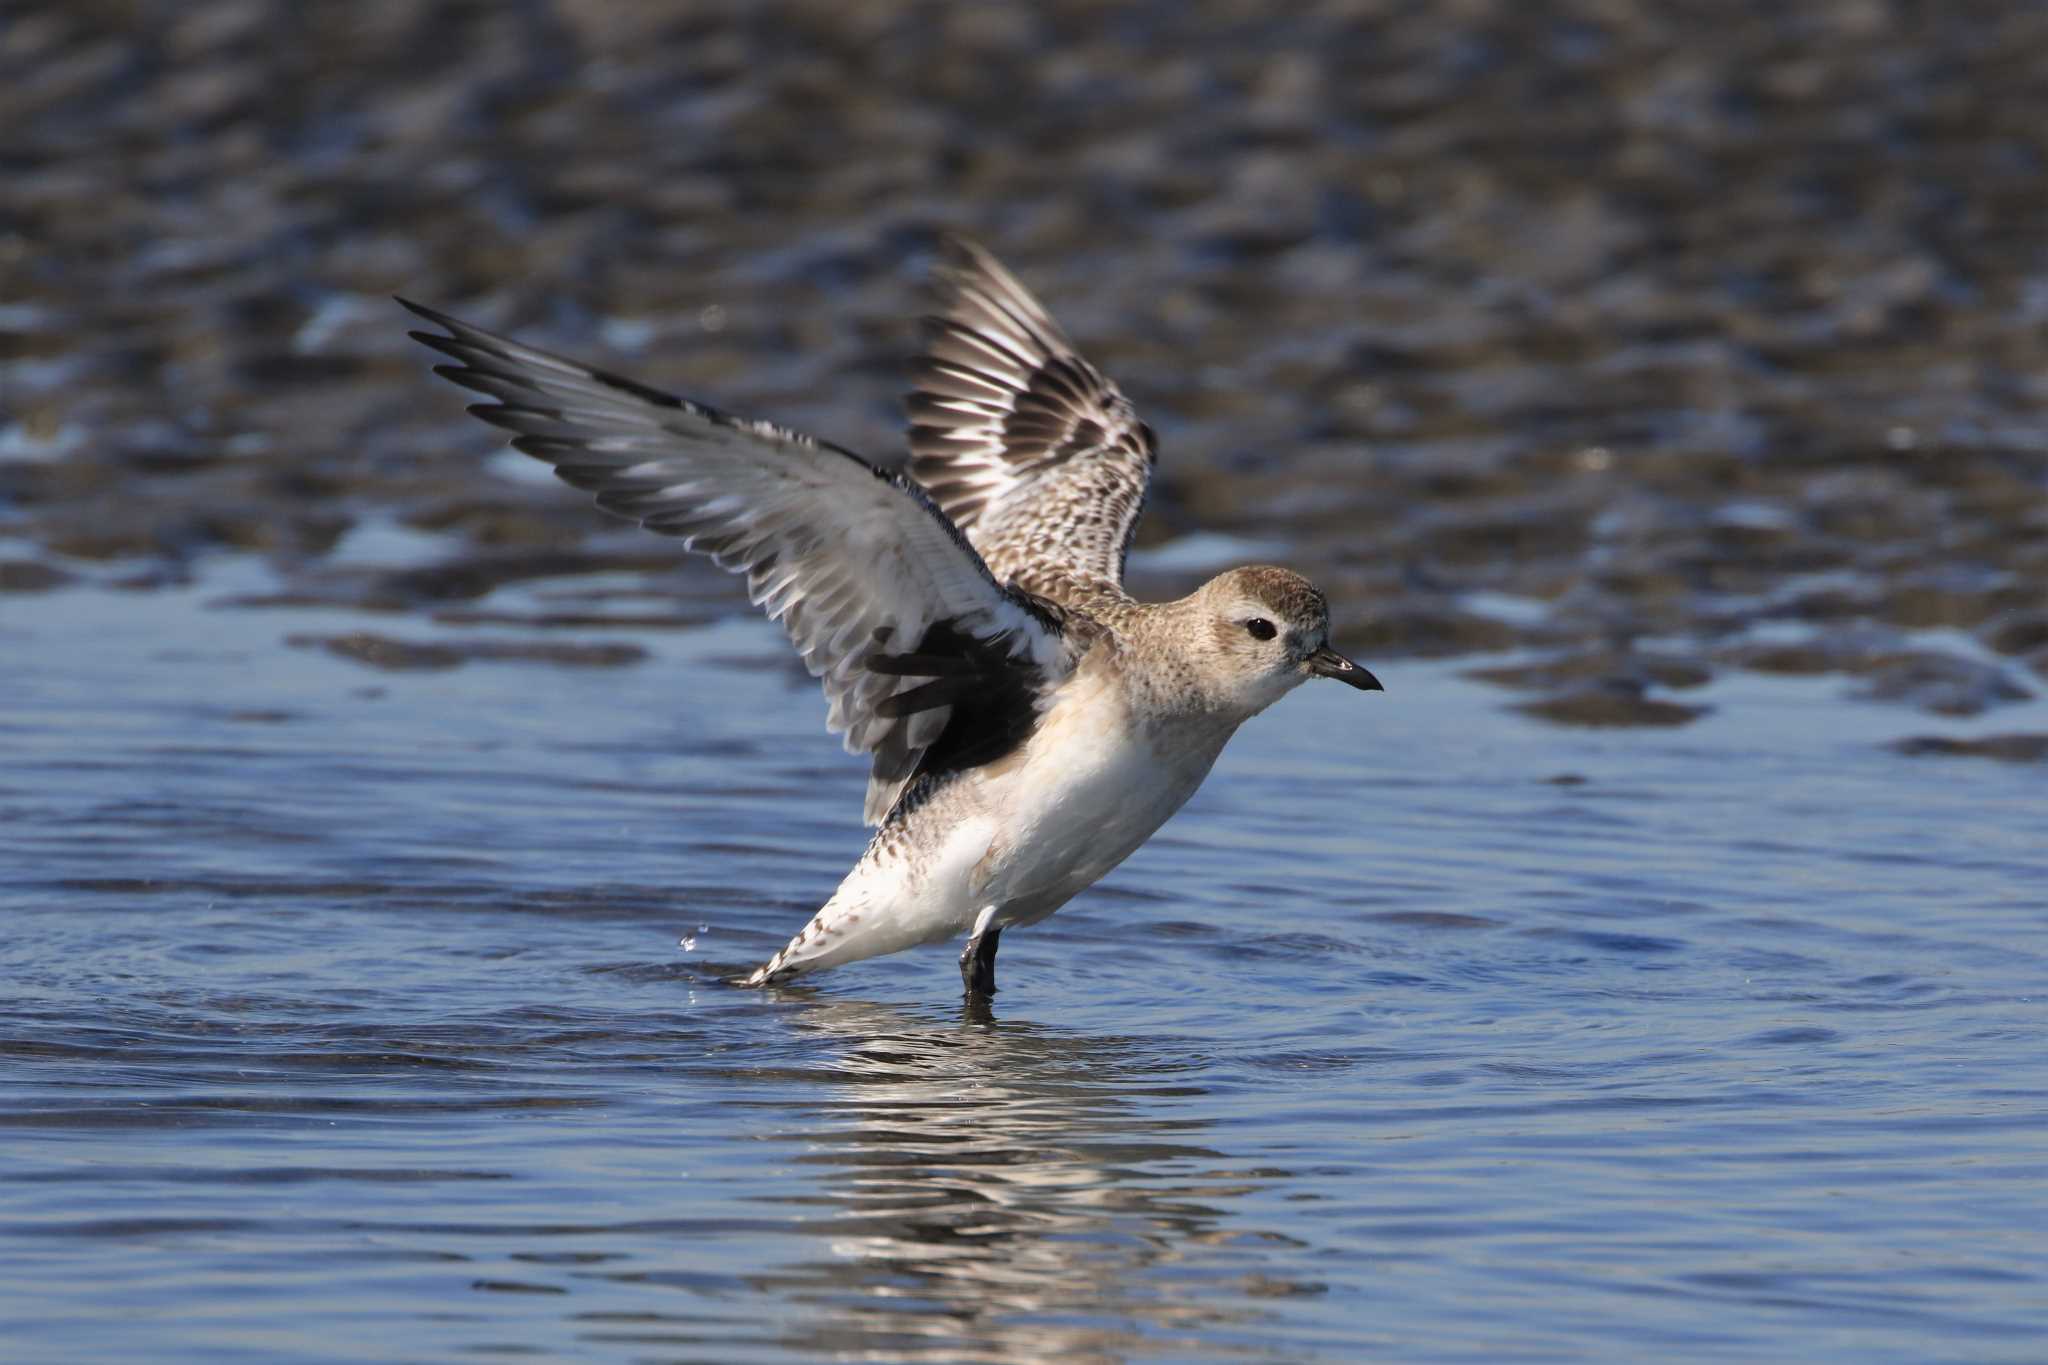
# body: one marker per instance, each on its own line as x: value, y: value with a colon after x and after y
x: 348, y: 1019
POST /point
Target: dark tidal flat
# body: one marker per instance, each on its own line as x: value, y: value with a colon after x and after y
x: 1655, y: 971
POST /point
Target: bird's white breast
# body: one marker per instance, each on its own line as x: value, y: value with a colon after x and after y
x: 1091, y: 785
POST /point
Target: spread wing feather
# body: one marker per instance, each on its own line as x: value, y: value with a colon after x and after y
x: 1023, y: 444
x: 893, y: 611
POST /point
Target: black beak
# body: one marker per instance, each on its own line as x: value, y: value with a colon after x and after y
x: 1328, y: 663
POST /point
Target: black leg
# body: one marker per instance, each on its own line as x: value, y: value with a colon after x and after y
x: 978, y: 963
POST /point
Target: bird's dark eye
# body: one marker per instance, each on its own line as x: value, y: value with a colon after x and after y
x: 1260, y: 628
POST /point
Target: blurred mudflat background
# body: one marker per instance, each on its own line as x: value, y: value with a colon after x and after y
x: 1659, y: 391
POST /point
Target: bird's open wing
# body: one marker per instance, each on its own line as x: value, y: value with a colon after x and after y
x: 1021, y: 442
x: 891, y: 609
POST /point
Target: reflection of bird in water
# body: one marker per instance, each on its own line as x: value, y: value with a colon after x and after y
x: 1031, y: 724
x: 1014, y: 1193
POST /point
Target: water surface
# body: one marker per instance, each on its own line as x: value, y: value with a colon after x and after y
x: 359, y: 1014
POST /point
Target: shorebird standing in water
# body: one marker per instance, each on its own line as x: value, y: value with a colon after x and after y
x: 1030, y: 723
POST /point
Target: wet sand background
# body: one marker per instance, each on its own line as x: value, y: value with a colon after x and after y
x: 1652, y: 340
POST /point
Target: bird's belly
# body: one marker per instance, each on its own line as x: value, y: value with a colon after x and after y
x: 1084, y: 799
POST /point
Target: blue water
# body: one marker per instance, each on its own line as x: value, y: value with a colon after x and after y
x: 361, y: 1015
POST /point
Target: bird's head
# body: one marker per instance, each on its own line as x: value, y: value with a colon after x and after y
x: 1267, y: 632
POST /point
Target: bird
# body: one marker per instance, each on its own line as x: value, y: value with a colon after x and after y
x: 1028, y: 723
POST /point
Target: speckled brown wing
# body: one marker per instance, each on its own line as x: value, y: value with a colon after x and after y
x: 1026, y: 446
x: 927, y: 662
